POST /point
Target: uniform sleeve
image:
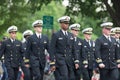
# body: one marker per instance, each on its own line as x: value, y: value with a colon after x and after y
x: 47, y: 45
x: 2, y: 49
x: 117, y: 53
x: 52, y: 48
x: 97, y: 51
x: 25, y: 58
x: 84, y: 54
x: 28, y: 48
x: 75, y: 52
x: 22, y: 50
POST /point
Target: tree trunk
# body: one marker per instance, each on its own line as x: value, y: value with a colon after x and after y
x: 114, y: 12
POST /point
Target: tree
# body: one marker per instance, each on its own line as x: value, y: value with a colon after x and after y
x: 15, y: 12
x: 89, y: 8
x: 114, y: 11
x: 23, y: 16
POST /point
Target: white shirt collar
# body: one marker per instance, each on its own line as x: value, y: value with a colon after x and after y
x: 64, y: 32
x: 12, y: 39
x: 38, y: 34
x: 87, y: 40
x: 106, y: 36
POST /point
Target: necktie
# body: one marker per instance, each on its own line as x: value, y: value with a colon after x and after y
x: 89, y: 43
x: 109, y: 39
x: 13, y: 40
x: 65, y: 33
x: 39, y: 37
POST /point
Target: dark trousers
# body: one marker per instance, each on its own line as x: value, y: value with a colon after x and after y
x: 64, y: 72
x: 119, y: 73
x: 109, y: 74
x: 87, y: 73
x: 78, y: 73
x: 57, y: 74
x: 27, y: 73
x: 38, y: 72
x: 12, y: 72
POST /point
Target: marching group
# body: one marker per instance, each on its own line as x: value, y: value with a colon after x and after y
x: 70, y: 57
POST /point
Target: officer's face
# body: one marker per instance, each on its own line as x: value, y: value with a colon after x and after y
x: 12, y: 35
x: 112, y: 35
x: 87, y: 36
x: 106, y: 31
x: 75, y: 32
x: 64, y: 26
x: 117, y: 35
x: 38, y: 29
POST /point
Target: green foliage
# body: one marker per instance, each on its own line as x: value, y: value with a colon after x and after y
x: 19, y: 36
x: 23, y: 13
x: 20, y: 15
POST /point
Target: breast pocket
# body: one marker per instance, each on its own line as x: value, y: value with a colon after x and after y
x: 105, y: 45
x: 18, y: 47
x: 60, y: 40
x: 34, y: 45
x: 8, y: 46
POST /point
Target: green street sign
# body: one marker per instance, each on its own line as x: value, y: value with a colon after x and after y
x: 48, y: 22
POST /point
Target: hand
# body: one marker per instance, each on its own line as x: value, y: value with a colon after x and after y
x: 85, y: 66
x: 76, y: 66
x: 101, y: 65
x: 53, y: 68
x: 27, y: 65
x: 118, y: 65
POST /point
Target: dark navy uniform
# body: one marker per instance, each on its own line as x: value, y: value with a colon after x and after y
x: 81, y: 57
x: 118, y: 43
x: 13, y: 55
x: 25, y: 64
x: 116, y: 32
x: 88, y: 49
x: 62, y: 51
x: 36, y: 51
x: 106, y: 52
x: 75, y: 28
x: 26, y: 70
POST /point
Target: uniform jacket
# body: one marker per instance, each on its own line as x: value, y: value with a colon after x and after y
x: 79, y: 50
x: 107, y: 52
x: 62, y: 48
x: 13, y: 52
x: 36, y: 50
x: 89, y: 51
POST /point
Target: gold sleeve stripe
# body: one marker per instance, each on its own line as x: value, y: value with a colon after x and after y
x: 52, y: 62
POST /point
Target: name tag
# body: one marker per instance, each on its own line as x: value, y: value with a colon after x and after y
x: 105, y: 43
x: 60, y: 38
x: 85, y: 46
x: 79, y: 43
x: 45, y: 42
x: 18, y: 45
x: 71, y: 38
